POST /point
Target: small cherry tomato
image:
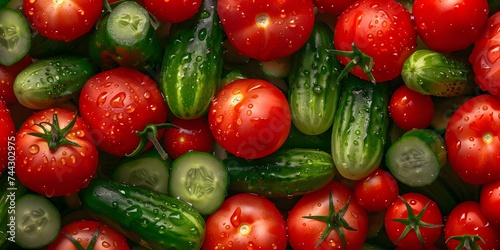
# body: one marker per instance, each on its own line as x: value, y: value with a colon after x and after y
x: 410, y: 109
x: 189, y: 135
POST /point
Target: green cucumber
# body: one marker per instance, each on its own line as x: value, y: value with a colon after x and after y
x: 146, y: 217
x: 285, y: 173
x: 360, y: 127
x: 52, y: 80
x: 15, y: 36
x: 192, y: 63
x: 297, y: 139
x: 10, y: 190
x: 433, y: 73
x: 314, y: 90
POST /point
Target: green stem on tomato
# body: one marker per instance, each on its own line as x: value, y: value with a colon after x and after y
x: 467, y: 241
x: 149, y: 134
x: 79, y: 246
x: 358, y: 58
x: 56, y: 136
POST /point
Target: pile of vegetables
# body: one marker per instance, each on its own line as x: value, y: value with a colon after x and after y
x: 233, y: 124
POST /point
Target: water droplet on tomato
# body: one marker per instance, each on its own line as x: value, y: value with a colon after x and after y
x: 34, y: 149
x: 130, y: 108
x: 236, y: 217
x: 117, y: 100
x: 101, y: 99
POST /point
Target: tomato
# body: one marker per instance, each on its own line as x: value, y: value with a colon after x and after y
x: 8, y: 76
x: 250, y: 118
x: 489, y: 200
x: 7, y: 138
x: 458, y: 26
x: 376, y: 191
x: 83, y: 231
x: 467, y: 226
x: 189, y: 135
x: 413, y: 221
x: 382, y: 33
x: 173, y: 11
x: 62, y: 20
x: 472, y: 139
x: 410, y: 109
x: 246, y: 221
x: 329, y: 218
x: 484, y: 57
x: 333, y: 7
x: 117, y: 104
x: 266, y: 30
x: 55, y: 153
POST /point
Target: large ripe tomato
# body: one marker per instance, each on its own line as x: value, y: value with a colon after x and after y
x: 117, y: 104
x: 472, y: 139
x: 467, y: 226
x: 377, y: 191
x: 8, y: 76
x: 333, y: 7
x: 83, y: 231
x: 246, y: 221
x: 489, y: 200
x: 250, y: 118
x: 413, y: 221
x: 173, y: 11
x: 484, y: 57
x: 382, y: 31
x: 266, y: 30
x: 458, y: 25
x: 62, y: 20
x: 7, y: 139
x: 410, y: 109
x: 55, y: 157
x: 332, y: 212
x: 188, y: 135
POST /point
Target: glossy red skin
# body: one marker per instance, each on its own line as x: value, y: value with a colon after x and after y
x: 7, y: 138
x: 304, y: 233
x: 398, y: 210
x: 484, y: 57
x: 333, y: 7
x: 489, y: 201
x: 62, y: 20
x: 173, y: 11
x: 289, y: 25
x: 472, y: 140
x: 250, y: 118
x: 189, y: 135
x: 387, y: 41
x: 108, y: 238
x: 459, y: 22
x: 377, y: 191
x: 118, y: 103
x: 467, y: 219
x: 8, y: 76
x: 410, y: 109
x: 265, y: 224
x: 63, y: 171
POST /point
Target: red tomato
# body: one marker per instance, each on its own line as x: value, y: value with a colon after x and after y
x: 8, y: 76
x: 376, y: 191
x: 383, y: 31
x: 61, y: 159
x: 246, y: 221
x: 333, y: 7
x: 7, y: 138
x: 189, y: 135
x: 334, y: 204
x: 489, y: 201
x: 472, y: 139
x: 458, y: 23
x: 62, y: 20
x: 467, y: 224
x: 250, y: 118
x: 172, y: 11
x: 84, y: 231
x: 410, y: 109
x: 266, y: 30
x: 484, y: 57
x: 410, y: 213
x: 117, y: 104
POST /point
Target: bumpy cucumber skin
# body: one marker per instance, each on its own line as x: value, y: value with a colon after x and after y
x: 285, y: 173
x: 432, y: 73
x: 52, y: 80
x: 314, y: 90
x: 192, y: 63
x: 154, y: 220
x: 360, y: 127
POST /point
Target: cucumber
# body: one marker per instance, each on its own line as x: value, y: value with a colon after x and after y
x: 146, y: 217
x: 314, y: 89
x: 10, y: 190
x: 432, y: 73
x: 285, y: 173
x: 297, y: 139
x: 15, y: 36
x: 192, y: 63
x: 53, y: 80
x: 360, y: 128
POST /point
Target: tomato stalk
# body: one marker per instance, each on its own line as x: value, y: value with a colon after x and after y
x: 358, y: 58
x: 79, y: 246
x: 468, y: 242
x: 334, y: 221
x: 56, y: 136
x: 149, y: 134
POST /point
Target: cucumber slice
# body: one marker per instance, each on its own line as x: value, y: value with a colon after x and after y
x: 15, y: 36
